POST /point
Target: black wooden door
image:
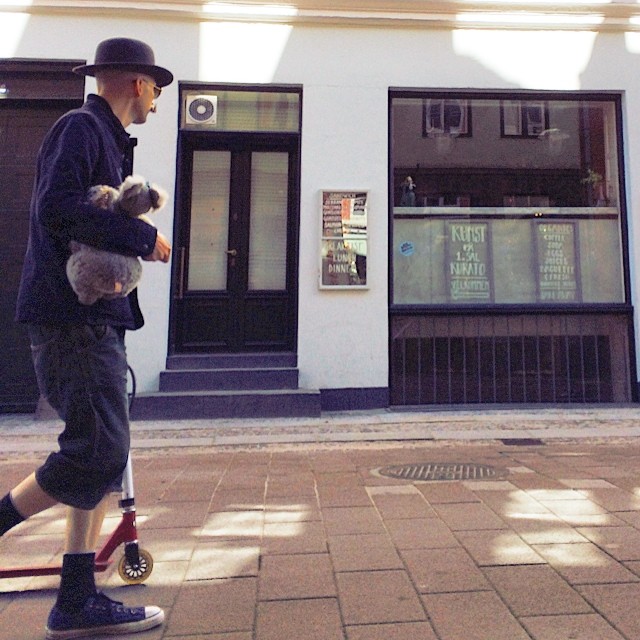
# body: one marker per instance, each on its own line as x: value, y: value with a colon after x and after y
x: 23, y: 124
x: 236, y: 277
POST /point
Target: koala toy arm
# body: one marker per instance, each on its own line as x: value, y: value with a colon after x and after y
x: 94, y: 273
x: 132, y: 200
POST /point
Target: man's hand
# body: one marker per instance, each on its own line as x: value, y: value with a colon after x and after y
x: 161, y: 252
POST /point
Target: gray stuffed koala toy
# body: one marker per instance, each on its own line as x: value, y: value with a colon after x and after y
x: 96, y: 274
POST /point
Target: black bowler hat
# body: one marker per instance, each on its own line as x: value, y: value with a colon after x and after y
x: 126, y: 54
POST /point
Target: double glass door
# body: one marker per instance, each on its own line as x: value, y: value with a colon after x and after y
x: 235, y: 283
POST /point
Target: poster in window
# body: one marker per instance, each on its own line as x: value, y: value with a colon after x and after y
x: 344, y: 239
x: 468, y: 263
x: 557, y: 264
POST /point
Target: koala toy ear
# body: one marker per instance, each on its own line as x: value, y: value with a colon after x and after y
x: 137, y: 196
x: 157, y: 196
x: 102, y: 196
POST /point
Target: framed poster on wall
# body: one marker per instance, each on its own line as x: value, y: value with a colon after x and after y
x: 343, y: 240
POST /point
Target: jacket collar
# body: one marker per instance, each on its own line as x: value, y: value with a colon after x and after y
x: 98, y: 105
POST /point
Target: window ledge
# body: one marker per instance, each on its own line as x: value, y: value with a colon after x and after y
x: 508, y: 211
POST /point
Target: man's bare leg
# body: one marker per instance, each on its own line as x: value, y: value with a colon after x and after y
x: 29, y: 498
x: 83, y: 527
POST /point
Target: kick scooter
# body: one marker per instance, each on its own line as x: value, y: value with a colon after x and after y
x: 136, y: 564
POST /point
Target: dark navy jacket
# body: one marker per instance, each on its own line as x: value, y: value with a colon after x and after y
x: 85, y: 147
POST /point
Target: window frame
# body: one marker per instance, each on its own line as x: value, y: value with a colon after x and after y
x: 464, y: 130
x: 524, y: 126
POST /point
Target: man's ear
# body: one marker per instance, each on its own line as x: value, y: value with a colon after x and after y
x: 137, y: 83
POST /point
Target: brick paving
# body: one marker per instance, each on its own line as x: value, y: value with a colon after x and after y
x: 274, y: 535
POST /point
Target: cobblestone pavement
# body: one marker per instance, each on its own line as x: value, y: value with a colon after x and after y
x: 527, y: 528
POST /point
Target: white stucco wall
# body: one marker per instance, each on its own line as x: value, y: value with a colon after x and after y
x: 155, y: 156
x: 345, y: 74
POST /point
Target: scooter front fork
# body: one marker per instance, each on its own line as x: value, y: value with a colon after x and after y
x: 125, y: 533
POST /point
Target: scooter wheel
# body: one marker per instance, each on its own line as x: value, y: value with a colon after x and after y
x: 139, y: 573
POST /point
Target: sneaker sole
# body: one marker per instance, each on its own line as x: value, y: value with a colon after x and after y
x: 112, y: 629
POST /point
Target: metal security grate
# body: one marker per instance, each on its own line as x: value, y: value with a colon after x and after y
x: 577, y: 359
x: 431, y: 471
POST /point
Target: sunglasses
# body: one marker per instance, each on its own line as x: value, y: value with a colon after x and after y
x: 156, y: 89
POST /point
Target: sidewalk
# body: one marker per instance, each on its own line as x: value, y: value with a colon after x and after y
x: 265, y: 530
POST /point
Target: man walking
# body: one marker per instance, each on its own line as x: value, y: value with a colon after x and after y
x: 78, y: 350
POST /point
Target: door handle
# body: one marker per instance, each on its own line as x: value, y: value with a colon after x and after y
x: 231, y: 252
x: 181, y: 273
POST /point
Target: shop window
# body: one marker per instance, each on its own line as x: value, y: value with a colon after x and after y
x: 526, y: 211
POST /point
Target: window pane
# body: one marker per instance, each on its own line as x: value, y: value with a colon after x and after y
x: 209, y: 221
x: 241, y: 111
x: 512, y: 118
x: 268, y: 245
x: 525, y: 210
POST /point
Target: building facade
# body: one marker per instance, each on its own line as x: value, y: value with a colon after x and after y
x: 418, y: 203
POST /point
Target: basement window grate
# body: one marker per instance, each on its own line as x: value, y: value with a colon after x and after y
x: 509, y: 360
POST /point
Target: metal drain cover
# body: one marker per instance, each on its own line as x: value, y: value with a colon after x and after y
x: 522, y: 442
x: 432, y: 471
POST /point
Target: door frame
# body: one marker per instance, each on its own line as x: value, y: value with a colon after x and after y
x: 208, y: 138
x: 30, y: 85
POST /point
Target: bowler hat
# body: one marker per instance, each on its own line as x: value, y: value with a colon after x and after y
x: 126, y: 54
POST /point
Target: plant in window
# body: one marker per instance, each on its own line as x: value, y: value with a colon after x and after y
x: 592, y: 178
x: 596, y: 184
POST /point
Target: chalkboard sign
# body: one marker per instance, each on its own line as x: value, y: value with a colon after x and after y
x: 344, y: 239
x: 468, y: 264
x: 557, y: 272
